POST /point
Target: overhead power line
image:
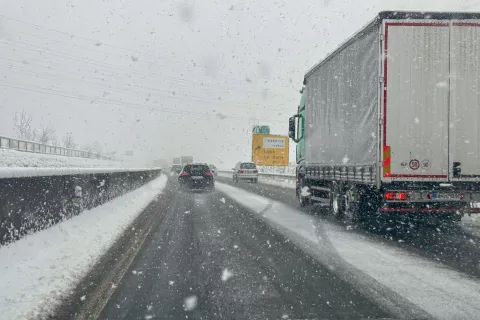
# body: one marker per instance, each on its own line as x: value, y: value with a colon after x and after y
x: 105, y: 66
x: 226, y: 104
x: 103, y: 43
x: 118, y: 103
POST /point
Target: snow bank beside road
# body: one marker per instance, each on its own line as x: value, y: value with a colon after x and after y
x: 35, y: 272
x: 274, y: 181
x: 391, y: 272
x: 12, y: 158
x: 40, y: 172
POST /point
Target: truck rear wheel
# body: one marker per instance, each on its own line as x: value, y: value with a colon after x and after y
x: 337, y: 201
x: 362, y: 204
x: 303, y: 200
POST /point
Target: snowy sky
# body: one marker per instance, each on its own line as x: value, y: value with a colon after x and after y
x: 168, y: 78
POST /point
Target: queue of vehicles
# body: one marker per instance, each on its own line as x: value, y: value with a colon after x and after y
x: 387, y: 123
x: 200, y: 176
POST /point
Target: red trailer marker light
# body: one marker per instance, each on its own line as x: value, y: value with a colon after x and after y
x: 396, y: 196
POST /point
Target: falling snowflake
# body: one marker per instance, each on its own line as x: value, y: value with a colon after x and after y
x: 226, y: 274
x: 417, y: 120
x: 304, y: 192
x: 82, y: 298
x: 442, y: 84
x: 222, y: 200
x: 190, y: 303
x: 171, y: 282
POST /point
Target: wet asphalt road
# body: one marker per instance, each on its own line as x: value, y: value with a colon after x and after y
x: 212, y: 259
x: 452, y: 245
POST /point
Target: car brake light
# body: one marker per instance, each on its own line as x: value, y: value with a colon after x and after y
x: 255, y: 171
x: 240, y: 171
x: 184, y: 174
x: 208, y: 174
x: 395, y: 195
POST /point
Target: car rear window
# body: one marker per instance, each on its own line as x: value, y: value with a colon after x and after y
x: 196, y: 168
x: 248, y: 166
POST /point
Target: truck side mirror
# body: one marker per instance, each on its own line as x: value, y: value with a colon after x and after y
x: 291, y: 127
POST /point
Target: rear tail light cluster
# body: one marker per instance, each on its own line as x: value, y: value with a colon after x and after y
x: 184, y: 174
x: 240, y: 171
x: 208, y: 174
x: 395, y: 195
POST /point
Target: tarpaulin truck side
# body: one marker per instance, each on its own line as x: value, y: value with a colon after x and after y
x: 388, y: 123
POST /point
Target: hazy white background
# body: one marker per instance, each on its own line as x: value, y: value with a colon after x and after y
x: 170, y: 78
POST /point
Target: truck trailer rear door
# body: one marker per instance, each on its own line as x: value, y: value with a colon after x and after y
x: 465, y: 100
x: 415, y: 99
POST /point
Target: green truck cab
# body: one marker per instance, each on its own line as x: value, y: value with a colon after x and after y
x: 296, y: 129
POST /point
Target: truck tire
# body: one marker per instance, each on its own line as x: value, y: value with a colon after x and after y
x: 303, y: 201
x: 351, y: 204
x: 362, y: 204
x: 337, y: 201
x: 367, y: 205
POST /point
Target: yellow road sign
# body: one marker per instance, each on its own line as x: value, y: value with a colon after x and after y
x: 270, y: 150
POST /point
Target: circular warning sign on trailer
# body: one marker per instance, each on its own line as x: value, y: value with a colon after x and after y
x: 414, y: 164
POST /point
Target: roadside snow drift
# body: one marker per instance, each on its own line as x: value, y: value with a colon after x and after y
x: 35, y: 272
x: 13, y: 158
x: 392, y: 273
x: 271, y: 180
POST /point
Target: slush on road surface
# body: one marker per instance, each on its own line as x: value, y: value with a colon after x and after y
x: 213, y: 259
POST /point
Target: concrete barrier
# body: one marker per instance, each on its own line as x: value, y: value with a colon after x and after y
x: 32, y: 202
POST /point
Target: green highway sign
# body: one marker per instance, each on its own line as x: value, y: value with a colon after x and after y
x: 261, y: 130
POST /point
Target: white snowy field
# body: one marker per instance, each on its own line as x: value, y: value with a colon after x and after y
x: 13, y: 158
x: 38, y: 270
x: 391, y: 276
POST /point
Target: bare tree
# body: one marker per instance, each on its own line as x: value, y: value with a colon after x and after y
x: 22, y: 124
x: 45, y: 134
x: 97, y: 147
x: 54, y: 140
x: 34, y: 135
x: 69, y: 142
x: 94, y: 147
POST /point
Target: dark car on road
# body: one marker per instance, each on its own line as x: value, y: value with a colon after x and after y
x: 196, y: 176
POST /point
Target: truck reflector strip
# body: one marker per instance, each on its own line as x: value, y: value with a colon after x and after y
x: 386, y: 161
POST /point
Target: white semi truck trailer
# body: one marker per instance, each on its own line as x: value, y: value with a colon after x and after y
x: 388, y: 124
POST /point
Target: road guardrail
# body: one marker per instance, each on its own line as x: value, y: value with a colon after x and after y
x: 38, y: 147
